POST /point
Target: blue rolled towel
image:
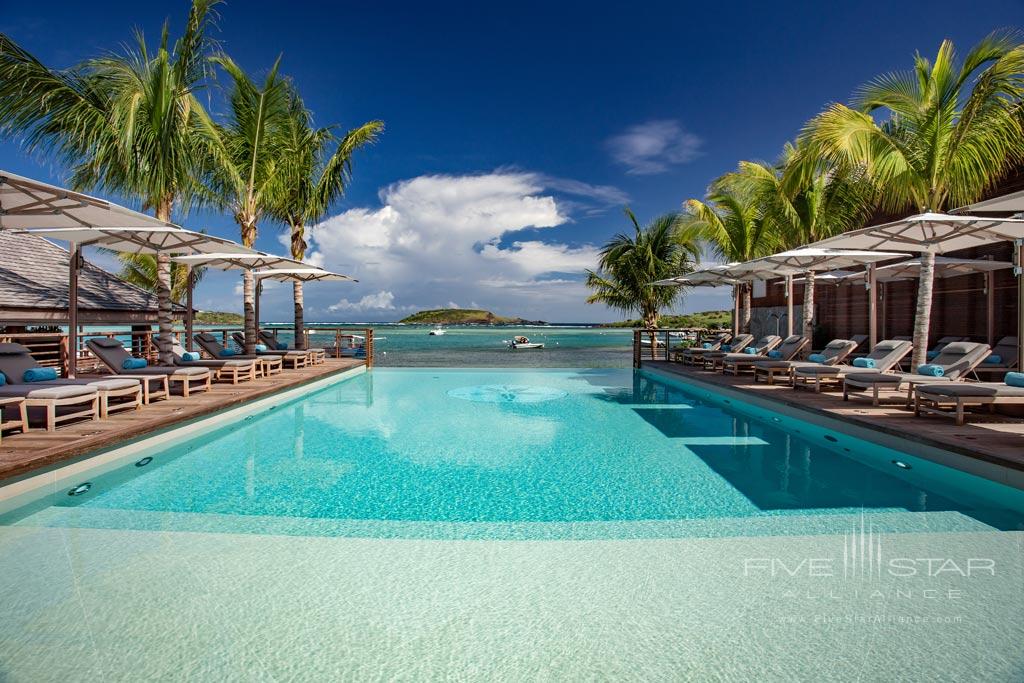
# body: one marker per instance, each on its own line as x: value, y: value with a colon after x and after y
x: 39, y: 375
x: 281, y: 346
x: 994, y: 359
x: 931, y: 355
x: 190, y: 356
x: 816, y: 358
x: 133, y: 363
x: 931, y: 370
x: 3, y: 379
x: 261, y: 348
x: 707, y: 345
x: 775, y: 355
x: 864, y: 362
x: 229, y: 352
x: 751, y: 350
x: 727, y: 347
x: 1014, y: 379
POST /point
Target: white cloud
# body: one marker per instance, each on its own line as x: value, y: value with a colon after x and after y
x: 654, y: 147
x: 445, y: 238
x: 380, y: 301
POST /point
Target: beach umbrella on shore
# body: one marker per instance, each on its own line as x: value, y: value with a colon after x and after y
x: 237, y: 259
x: 934, y: 234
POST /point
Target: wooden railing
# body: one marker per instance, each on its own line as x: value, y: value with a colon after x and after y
x: 50, y: 349
x: 658, y: 344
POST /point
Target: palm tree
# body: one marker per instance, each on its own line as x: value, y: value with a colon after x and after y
x: 630, y: 263
x: 310, y: 179
x: 246, y: 157
x: 954, y: 129
x: 805, y: 205
x: 125, y: 123
x: 734, y: 225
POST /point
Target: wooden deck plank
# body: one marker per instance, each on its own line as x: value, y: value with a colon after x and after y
x: 23, y: 453
x: 998, y: 439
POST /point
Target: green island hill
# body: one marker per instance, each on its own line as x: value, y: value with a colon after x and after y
x: 705, y: 319
x: 218, y: 318
x: 463, y: 316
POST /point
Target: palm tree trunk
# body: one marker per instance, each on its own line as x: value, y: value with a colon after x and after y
x: 300, y: 335
x: 298, y: 248
x: 922, y: 317
x: 248, y: 229
x: 164, y: 338
x: 746, y: 308
x: 808, y: 307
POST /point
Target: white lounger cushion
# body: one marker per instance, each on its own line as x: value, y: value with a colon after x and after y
x: 48, y: 391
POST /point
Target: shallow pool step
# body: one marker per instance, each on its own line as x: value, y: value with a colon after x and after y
x: 798, y: 523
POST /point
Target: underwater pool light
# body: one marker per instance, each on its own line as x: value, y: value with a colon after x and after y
x: 80, y: 489
x: 145, y: 461
x: 902, y: 465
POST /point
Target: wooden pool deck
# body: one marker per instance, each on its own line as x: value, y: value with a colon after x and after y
x: 996, y: 439
x: 37, y: 449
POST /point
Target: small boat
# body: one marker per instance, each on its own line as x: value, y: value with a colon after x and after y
x: 522, y: 343
x: 437, y: 331
x: 644, y: 341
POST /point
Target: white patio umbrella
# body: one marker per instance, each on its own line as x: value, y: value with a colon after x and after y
x: 307, y: 274
x: 1013, y: 202
x: 812, y: 260
x: 240, y: 259
x: 57, y: 213
x: 713, y: 276
x: 938, y: 233
x: 945, y: 267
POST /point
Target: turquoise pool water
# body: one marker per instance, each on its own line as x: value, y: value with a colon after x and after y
x: 526, y: 454
x: 574, y: 524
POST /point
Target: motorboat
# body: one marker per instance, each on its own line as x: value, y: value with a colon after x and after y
x: 523, y: 343
x: 437, y: 331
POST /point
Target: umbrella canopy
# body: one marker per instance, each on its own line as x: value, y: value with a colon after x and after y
x: 26, y: 203
x: 944, y: 267
x: 242, y: 259
x: 142, y: 239
x: 936, y: 233
x: 302, y: 275
x: 1013, y: 202
x: 816, y: 259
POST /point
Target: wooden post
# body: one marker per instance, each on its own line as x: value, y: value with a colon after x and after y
x: 990, y: 307
x: 74, y: 263
x: 872, y: 305
x: 190, y: 284
x: 1019, y: 270
x: 885, y: 310
x: 369, y: 347
x: 636, y: 348
x: 789, y: 305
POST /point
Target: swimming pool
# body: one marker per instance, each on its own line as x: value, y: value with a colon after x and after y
x: 408, y: 522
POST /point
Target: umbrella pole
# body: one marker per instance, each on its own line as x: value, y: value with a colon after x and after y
x: 872, y: 308
x: 885, y: 311
x: 1020, y: 300
x: 189, y: 286
x: 990, y: 308
x: 789, y: 305
x: 256, y: 308
x: 736, y: 310
x: 74, y: 263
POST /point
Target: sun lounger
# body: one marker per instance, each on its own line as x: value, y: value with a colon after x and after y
x: 834, y: 353
x: 737, y: 362
x: 156, y: 381
x: 81, y: 399
x: 315, y: 356
x: 297, y: 359
x: 691, y: 356
x: 885, y: 356
x: 1003, y: 359
x: 930, y: 398
x: 787, y: 350
x: 235, y: 370
x: 777, y: 360
x: 957, y: 360
x: 114, y: 393
x: 270, y: 363
x: 738, y: 343
x: 941, y: 344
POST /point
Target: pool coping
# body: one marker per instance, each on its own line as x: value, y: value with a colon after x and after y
x: 988, y: 466
x: 53, y: 476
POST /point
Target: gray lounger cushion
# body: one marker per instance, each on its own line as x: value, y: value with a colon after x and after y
x: 886, y: 354
x: 973, y: 389
x: 113, y: 354
x: 48, y: 391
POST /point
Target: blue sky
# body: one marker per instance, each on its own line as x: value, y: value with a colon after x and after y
x: 517, y: 131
